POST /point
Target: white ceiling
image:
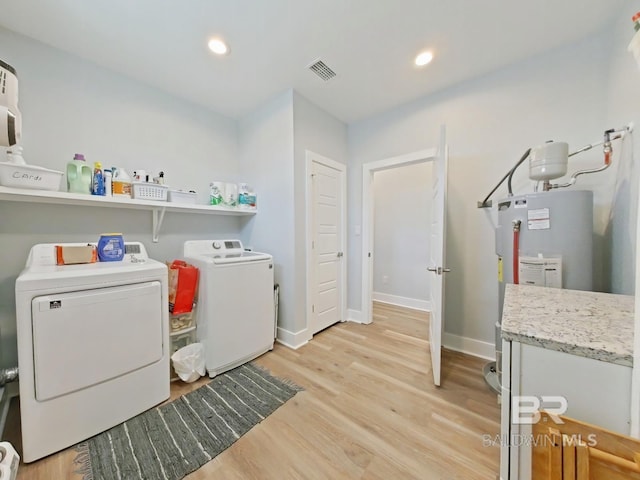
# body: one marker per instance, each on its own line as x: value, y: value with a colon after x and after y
x: 370, y: 44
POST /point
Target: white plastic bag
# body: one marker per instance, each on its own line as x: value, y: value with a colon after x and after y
x: 188, y: 362
x: 9, y: 461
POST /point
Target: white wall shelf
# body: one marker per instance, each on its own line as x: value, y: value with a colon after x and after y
x: 158, y: 209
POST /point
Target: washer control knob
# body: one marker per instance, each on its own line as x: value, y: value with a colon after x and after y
x: 217, y: 245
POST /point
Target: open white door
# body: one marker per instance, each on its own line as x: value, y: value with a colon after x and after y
x: 635, y: 373
x: 437, y: 256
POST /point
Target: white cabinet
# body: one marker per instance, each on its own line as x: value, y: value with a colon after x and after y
x: 595, y: 391
x: 569, y: 352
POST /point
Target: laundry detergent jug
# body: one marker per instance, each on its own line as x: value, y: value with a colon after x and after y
x: 79, y: 175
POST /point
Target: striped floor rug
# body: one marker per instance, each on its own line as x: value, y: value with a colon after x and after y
x: 173, y: 440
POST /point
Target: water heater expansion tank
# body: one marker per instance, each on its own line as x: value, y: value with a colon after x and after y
x: 548, y: 161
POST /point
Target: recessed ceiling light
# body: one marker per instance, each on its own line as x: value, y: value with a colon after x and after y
x: 424, y: 58
x: 218, y: 47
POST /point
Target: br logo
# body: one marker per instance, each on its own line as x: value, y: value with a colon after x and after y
x: 525, y: 409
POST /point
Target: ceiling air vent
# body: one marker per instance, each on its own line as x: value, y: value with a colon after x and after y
x: 322, y: 70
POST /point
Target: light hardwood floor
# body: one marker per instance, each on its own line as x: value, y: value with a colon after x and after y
x: 369, y: 411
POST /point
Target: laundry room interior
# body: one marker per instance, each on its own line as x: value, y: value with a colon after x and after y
x: 92, y: 82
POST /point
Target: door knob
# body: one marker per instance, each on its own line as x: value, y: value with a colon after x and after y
x: 340, y: 254
x: 446, y: 270
x: 432, y: 269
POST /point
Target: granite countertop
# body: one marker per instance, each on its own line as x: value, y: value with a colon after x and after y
x: 589, y: 324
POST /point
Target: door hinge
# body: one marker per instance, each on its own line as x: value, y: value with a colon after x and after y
x: 369, y: 255
x: 313, y: 309
x: 313, y: 244
x: 438, y: 270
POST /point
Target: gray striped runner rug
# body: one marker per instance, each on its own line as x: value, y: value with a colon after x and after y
x: 173, y: 440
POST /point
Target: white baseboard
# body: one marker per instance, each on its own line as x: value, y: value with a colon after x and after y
x: 291, y: 339
x: 407, y: 302
x: 469, y: 346
x: 354, y: 315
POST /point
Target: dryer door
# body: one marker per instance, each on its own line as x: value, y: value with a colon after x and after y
x: 91, y: 336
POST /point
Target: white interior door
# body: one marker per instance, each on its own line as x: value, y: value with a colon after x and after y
x: 437, y: 256
x: 327, y: 275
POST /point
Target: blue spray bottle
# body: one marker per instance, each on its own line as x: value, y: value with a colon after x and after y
x: 98, y: 180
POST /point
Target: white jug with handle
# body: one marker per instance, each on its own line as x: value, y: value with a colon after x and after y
x: 120, y: 182
x: 79, y: 175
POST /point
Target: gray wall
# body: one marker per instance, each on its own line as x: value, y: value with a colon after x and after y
x: 70, y: 105
x: 623, y: 105
x: 266, y: 138
x: 317, y: 131
x: 490, y: 122
x: 274, y: 141
x: 402, y: 220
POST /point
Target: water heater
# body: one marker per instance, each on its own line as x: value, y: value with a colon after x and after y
x: 551, y: 234
x: 545, y: 238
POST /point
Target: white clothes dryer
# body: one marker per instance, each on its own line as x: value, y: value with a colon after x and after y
x: 235, y: 314
x: 93, y: 345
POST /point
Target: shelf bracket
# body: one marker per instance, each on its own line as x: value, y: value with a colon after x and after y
x: 158, y: 217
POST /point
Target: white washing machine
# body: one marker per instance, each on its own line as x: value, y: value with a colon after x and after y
x: 93, y: 345
x: 235, y: 314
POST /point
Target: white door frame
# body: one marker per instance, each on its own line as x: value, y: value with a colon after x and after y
x: 310, y: 268
x: 635, y: 372
x: 368, y: 169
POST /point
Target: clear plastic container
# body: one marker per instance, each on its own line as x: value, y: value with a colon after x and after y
x: 216, y: 194
x: 246, y: 197
x: 182, y: 322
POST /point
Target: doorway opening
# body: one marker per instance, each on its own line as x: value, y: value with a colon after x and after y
x: 368, y: 217
x: 401, y: 235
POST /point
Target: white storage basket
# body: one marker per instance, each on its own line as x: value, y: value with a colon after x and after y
x: 149, y: 191
x: 29, y: 176
x: 179, y: 196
